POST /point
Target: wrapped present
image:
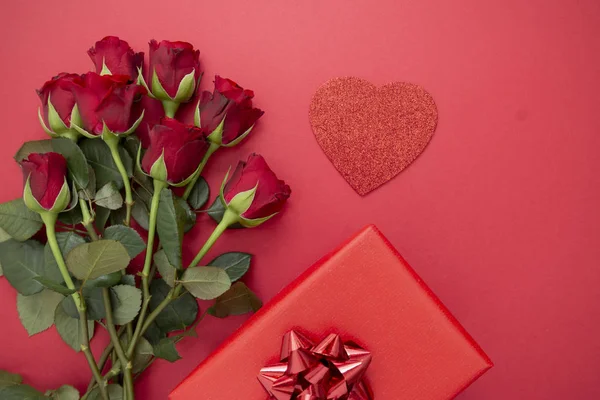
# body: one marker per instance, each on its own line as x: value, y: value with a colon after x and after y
x: 364, y: 299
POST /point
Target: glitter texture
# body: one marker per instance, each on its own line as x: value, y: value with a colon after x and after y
x: 371, y: 134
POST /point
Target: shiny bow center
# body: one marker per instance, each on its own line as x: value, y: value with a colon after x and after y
x: 330, y: 370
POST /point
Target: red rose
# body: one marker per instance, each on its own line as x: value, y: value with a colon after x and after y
x: 46, y: 174
x: 182, y: 147
x: 270, y: 195
x: 106, y: 99
x: 116, y: 55
x: 170, y: 62
x: 59, y: 93
x: 232, y: 102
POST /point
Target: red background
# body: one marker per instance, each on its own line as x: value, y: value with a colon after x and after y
x: 500, y: 215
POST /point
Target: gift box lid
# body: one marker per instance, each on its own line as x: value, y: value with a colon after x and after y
x: 367, y: 293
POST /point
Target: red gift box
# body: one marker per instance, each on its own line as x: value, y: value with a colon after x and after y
x: 367, y: 293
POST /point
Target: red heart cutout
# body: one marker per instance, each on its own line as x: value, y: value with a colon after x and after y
x: 371, y: 134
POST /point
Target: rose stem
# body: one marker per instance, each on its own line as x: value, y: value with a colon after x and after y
x: 170, y: 108
x: 113, y: 144
x: 158, y: 187
x: 188, y: 190
x: 229, y: 218
x: 114, y: 337
x: 50, y: 222
x: 103, y: 359
x: 87, y: 219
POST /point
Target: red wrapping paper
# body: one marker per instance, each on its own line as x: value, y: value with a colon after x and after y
x: 366, y: 292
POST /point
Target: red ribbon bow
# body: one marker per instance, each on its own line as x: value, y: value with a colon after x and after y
x: 331, y: 370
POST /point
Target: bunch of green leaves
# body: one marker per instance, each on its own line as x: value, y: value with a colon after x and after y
x: 99, y: 263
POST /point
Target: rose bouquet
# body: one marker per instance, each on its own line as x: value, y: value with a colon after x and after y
x: 108, y: 174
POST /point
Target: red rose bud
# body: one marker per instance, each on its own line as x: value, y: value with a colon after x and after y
x: 113, y: 56
x: 106, y: 100
x: 174, y: 73
x: 58, y: 112
x: 227, y: 113
x: 175, y: 153
x: 254, y: 192
x: 45, y: 181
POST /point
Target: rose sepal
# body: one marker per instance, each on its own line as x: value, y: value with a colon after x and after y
x: 216, y: 136
x: 84, y: 132
x: 159, y: 170
x: 142, y: 82
x: 107, y: 133
x: 252, y: 223
x: 105, y: 70
x: 240, y: 203
x: 60, y: 203
x: 74, y: 201
x: 57, y: 127
x: 185, y: 91
x: 239, y: 138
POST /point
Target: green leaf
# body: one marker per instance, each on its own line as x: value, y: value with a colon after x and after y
x: 54, y: 286
x: 65, y: 392
x: 179, y: 314
x: 128, y: 237
x: 236, y: 264
x: 36, y: 312
x: 72, y: 217
x: 154, y: 334
x: 99, y: 157
x: 109, y: 196
x: 94, y: 303
x: 67, y: 241
x: 216, y: 211
x: 35, y: 146
x: 188, y: 216
x: 127, y: 161
x: 115, y: 392
x: 20, y: 392
x: 18, y: 221
x: 102, y: 215
x: 91, y: 260
x: 131, y: 144
x: 69, y: 328
x: 76, y: 162
x: 128, y: 280
x: 9, y: 379
x: 117, y: 217
x: 141, y: 208
x: 169, y: 225
x: 89, y: 192
x: 143, y: 353
x: 206, y: 283
x: 166, y: 350
x: 23, y: 261
x: 4, y: 236
x: 104, y: 281
x: 130, y: 301
x: 200, y: 194
x: 166, y: 270
x: 236, y: 301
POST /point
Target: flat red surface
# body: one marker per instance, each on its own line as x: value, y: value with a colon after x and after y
x: 500, y: 214
x: 365, y: 292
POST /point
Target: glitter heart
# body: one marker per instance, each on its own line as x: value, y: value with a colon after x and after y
x: 371, y: 134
